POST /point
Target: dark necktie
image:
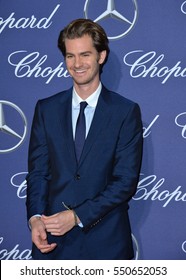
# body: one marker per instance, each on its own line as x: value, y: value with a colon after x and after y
x: 80, y: 130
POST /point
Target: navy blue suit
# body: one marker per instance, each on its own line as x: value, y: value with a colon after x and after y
x: 99, y: 187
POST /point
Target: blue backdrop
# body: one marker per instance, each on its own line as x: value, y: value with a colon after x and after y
x: 147, y: 64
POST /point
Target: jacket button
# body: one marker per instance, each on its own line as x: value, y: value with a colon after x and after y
x: 77, y: 177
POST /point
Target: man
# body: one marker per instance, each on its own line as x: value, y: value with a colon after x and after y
x: 77, y: 200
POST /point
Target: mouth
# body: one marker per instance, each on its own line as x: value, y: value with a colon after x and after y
x: 80, y: 71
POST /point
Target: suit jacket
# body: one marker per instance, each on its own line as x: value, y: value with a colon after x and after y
x: 99, y: 187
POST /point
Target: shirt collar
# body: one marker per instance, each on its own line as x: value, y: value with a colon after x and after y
x: 91, y: 100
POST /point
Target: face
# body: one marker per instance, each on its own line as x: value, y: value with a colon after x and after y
x: 83, y: 61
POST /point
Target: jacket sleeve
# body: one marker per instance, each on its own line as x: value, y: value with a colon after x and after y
x: 38, y: 167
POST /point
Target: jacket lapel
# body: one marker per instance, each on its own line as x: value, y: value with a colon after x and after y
x: 65, y: 112
x: 100, y: 118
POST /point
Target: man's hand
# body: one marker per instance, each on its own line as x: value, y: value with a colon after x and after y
x: 39, y: 236
x: 60, y: 223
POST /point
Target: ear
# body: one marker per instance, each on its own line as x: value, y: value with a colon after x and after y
x: 102, y: 56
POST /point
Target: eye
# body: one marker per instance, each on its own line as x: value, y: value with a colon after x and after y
x: 68, y: 56
x: 85, y: 54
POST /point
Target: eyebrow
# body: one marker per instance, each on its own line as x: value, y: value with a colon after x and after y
x: 85, y: 52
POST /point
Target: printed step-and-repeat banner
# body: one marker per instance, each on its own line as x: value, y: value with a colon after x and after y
x: 147, y: 64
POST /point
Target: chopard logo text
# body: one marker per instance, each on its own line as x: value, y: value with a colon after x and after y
x: 150, y: 65
x: 149, y: 188
x: 15, y: 253
x: 180, y: 121
x: 33, y: 65
x: 32, y: 22
x: 18, y: 180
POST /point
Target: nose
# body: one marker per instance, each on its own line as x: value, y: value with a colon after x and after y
x: 77, y: 62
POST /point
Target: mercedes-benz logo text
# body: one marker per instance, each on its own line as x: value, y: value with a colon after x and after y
x: 12, y: 134
x: 123, y: 18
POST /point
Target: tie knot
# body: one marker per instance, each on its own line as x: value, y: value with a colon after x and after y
x: 83, y: 105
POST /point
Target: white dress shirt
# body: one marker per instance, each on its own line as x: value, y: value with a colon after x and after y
x: 89, y: 110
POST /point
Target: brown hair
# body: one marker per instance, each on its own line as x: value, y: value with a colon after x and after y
x: 81, y: 27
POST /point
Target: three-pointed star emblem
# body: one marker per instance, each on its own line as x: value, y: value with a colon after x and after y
x: 127, y: 22
x: 112, y: 12
x: 4, y: 127
x: 7, y: 127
